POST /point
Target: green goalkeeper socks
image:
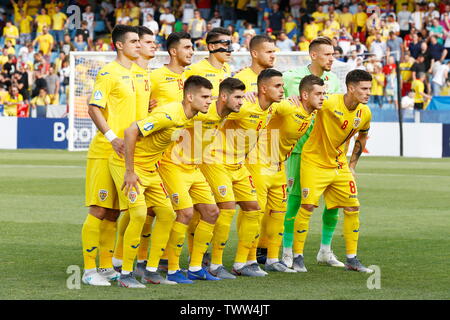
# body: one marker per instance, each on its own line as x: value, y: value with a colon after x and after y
x: 329, y: 222
x: 293, y: 205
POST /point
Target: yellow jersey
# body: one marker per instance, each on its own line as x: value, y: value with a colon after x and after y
x: 418, y: 87
x: 161, y: 128
x: 377, y: 89
x: 59, y: 20
x: 195, y: 145
x: 9, y: 32
x: 114, y: 93
x: 167, y: 86
x: 240, y: 132
x: 249, y: 78
x: 311, y: 31
x: 360, y: 19
x: 16, y: 8
x: 345, y: 20
x: 405, y: 71
x: 334, y: 126
x: 143, y: 90
x: 42, y: 20
x: 25, y: 24
x: 45, y: 42
x: 320, y: 18
x: 206, y: 70
x: 15, y: 101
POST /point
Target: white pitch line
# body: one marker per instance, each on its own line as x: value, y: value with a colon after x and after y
x: 36, y: 166
x: 400, y: 175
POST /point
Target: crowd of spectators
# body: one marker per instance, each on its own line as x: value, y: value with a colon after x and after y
x: 377, y: 36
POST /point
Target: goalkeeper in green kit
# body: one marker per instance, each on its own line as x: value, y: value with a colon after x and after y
x: 321, y: 52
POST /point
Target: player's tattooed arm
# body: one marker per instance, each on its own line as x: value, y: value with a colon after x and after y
x: 360, y: 144
x: 131, y: 179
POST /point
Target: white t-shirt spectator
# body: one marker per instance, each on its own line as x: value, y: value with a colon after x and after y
x: 404, y: 18
x: 215, y: 22
x: 89, y: 18
x: 107, y: 6
x: 439, y: 72
x: 169, y: 18
x: 418, y: 18
x: 408, y: 103
x: 285, y: 45
x: 378, y: 49
x: 188, y: 11
x: 145, y: 11
x: 152, y: 25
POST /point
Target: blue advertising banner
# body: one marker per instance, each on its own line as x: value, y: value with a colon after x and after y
x: 446, y: 140
x: 35, y: 133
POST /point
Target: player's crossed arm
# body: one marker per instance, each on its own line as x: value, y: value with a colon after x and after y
x: 358, y: 149
x: 131, y: 180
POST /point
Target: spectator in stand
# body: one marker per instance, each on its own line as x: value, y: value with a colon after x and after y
x: 187, y: 10
x: 414, y: 46
x: 80, y: 44
x: 378, y: 47
x: 21, y: 80
x: 437, y: 50
x: 360, y: 19
x: 205, y: 8
x: 311, y: 30
x: 418, y: 16
x: 284, y: 43
x: 216, y: 20
x: 166, y: 20
x: 40, y: 103
x: 346, y: 19
x: 68, y: 45
x: 394, y: 46
x: 24, y: 27
x: 83, y: 31
x: 12, y: 101
x: 10, y: 66
x: 437, y: 30
x: 420, y: 97
x: 249, y: 31
x: 135, y: 13
x: 42, y: 20
x: 45, y: 43
x: 378, y: 83
x: 100, y: 45
x: 445, y: 22
x: 17, y: 7
x: 303, y: 44
x: 418, y: 67
x: 408, y: 101
x: 197, y: 26
x: 404, y: 18
x: 10, y: 32
x: 295, y: 8
x: 431, y: 14
x: 59, y: 22
x: 391, y: 81
x: 320, y: 17
x: 151, y: 24
x: 440, y: 75
x: 275, y: 20
x: 52, y: 81
x: 406, y: 73
x: 89, y: 17
x: 39, y: 83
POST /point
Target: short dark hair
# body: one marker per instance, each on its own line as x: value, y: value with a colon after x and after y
x: 174, y: 38
x: 216, y: 33
x: 229, y: 85
x: 357, y: 75
x: 143, y: 31
x: 267, y: 74
x: 308, y: 82
x: 258, y: 39
x: 119, y: 31
x: 195, y: 83
x: 318, y: 41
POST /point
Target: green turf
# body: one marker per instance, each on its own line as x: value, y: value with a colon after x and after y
x: 405, y: 219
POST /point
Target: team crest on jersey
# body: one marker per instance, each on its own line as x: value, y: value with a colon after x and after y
x: 222, y: 190
x: 176, y: 198
x: 98, y: 95
x: 290, y: 182
x: 103, y: 194
x: 148, y: 126
x: 305, y: 192
x: 356, y: 122
x: 132, y: 196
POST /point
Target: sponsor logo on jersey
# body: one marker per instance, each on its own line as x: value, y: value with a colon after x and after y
x: 139, y: 76
x: 104, y: 73
x: 305, y: 192
x: 148, y: 126
x: 256, y: 116
x: 125, y: 77
x: 168, y: 117
x: 98, y: 95
x: 356, y: 122
x: 222, y: 190
x: 210, y: 75
x: 299, y: 116
x: 170, y: 78
x: 338, y: 113
x: 176, y: 198
x: 103, y: 194
x: 132, y: 196
x: 290, y: 182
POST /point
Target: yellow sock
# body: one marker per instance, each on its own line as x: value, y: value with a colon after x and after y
x: 90, y: 234
x: 161, y: 233
x: 142, y: 253
x: 351, y: 231
x: 106, y: 243
x: 275, y: 228
x: 221, y: 234
x: 255, y: 245
x: 175, y: 245
x: 263, y: 240
x: 191, y: 230
x: 122, y: 224
x: 132, y: 236
x: 202, y: 239
x: 247, y: 233
x: 301, y: 226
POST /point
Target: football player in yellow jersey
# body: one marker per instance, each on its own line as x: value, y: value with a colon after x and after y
x: 215, y: 68
x: 262, y: 51
x: 141, y: 73
x: 145, y: 142
x: 167, y: 81
x: 325, y: 168
x: 111, y: 104
x: 287, y: 125
x: 187, y: 186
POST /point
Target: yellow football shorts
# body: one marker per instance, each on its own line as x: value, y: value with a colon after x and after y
x: 100, y: 188
x: 230, y: 183
x: 337, y: 185
x: 186, y: 185
x: 271, y: 186
x: 152, y: 192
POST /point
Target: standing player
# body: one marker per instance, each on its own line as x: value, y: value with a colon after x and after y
x: 187, y: 186
x: 140, y: 71
x: 215, y: 68
x: 145, y: 142
x: 111, y: 106
x: 325, y: 170
x: 321, y: 53
x: 262, y: 51
x: 288, y: 123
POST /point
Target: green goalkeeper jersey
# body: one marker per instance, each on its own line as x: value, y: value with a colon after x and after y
x: 292, y: 80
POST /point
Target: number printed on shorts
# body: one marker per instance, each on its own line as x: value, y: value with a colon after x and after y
x: 352, y: 187
x: 344, y: 125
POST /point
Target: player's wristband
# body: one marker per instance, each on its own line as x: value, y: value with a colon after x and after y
x: 110, y: 135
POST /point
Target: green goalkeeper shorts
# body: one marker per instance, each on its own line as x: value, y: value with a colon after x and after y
x: 293, y: 174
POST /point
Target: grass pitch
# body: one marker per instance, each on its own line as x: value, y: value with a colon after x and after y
x: 405, y: 218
